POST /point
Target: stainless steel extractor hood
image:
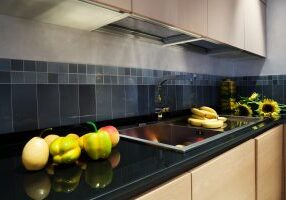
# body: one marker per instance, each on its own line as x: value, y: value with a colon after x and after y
x: 80, y: 14
x: 166, y: 35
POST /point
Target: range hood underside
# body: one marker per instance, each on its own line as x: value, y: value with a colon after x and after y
x: 169, y: 36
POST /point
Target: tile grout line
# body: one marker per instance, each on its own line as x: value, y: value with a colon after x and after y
x: 60, y: 119
x: 111, y: 97
x: 78, y: 104
x: 12, y: 109
x: 37, y: 100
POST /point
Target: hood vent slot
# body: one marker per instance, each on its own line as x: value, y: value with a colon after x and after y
x: 165, y: 35
x: 162, y: 34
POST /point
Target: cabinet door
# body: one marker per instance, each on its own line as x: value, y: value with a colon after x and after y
x: 189, y: 15
x: 161, y: 10
x: 255, y: 27
x: 192, y: 16
x: 269, y: 164
x: 178, y: 188
x: 226, y: 21
x: 228, y: 176
x: 121, y: 4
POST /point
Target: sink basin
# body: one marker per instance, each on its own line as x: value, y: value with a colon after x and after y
x: 178, y: 135
x: 168, y: 136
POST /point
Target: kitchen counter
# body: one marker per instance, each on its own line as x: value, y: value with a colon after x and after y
x: 141, y: 168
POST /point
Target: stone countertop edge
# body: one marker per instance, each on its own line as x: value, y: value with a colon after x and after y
x: 159, y: 177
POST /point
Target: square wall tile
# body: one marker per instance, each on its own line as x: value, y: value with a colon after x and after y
x: 90, y: 69
x: 6, y: 118
x: 82, y: 79
x: 17, y: 77
x: 69, y: 104
x: 81, y: 69
x: 72, y: 68
x: 41, y: 66
x: 17, y: 65
x: 63, y: 78
x: 110, y: 71
x: 99, y: 69
x: 118, y: 101
x: 91, y: 79
x: 53, y: 78
x: 5, y: 77
x: 131, y: 92
x: 73, y: 78
x: 87, y: 101
x: 53, y: 67
x: 42, y: 78
x: 5, y: 64
x: 63, y: 68
x: 30, y: 77
x: 24, y: 101
x: 29, y: 65
x: 143, y: 99
x: 103, y: 100
x: 48, y: 106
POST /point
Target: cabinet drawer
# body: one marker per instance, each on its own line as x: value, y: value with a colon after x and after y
x: 176, y: 189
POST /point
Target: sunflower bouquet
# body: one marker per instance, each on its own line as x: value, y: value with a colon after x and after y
x: 256, y: 105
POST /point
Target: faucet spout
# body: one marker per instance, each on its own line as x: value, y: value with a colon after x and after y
x: 160, y: 98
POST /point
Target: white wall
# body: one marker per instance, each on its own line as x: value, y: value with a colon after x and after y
x: 276, y: 45
x: 23, y: 39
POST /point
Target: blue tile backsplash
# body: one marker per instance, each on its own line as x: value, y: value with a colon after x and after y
x: 271, y: 86
x: 38, y: 94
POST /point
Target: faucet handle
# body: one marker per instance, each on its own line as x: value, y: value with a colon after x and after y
x: 160, y: 111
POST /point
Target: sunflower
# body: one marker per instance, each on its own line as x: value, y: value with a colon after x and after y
x: 267, y: 107
x: 275, y: 115
x: 243, y: 110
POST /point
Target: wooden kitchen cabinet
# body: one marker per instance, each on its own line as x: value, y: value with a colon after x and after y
x: 120, y: 4
x: 226, y: 21
x: 255, y: 27
x: 189, y: 15
x: 228, y: 176
x: 269, y: 164
x: 193, y: 16
x: 178, y: 188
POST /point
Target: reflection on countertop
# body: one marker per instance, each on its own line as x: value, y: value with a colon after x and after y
x: 132, y: 169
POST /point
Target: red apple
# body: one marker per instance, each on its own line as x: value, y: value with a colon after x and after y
x: 113, y: 134
x: 198, y: 139
x: 114, y: 158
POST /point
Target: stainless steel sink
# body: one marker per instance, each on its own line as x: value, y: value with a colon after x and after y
x: 168, y: 135
x: 178, y: 135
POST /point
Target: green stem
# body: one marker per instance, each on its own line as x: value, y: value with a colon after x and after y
x: 45, y: 130
x: 93, y: 125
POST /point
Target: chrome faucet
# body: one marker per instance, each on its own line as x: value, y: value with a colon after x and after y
x: 159, y: 97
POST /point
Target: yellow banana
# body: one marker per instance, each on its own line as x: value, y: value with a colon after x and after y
x: 210, y: 115
x: 211, y: 120
x: 208, y: 109
x: 212, y: 124
x: 223, y: 119
x: 198, y: 112
x: 195, y: 122
x: 197, y: 117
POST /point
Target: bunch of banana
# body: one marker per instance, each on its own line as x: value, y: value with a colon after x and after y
x: 206, y: 117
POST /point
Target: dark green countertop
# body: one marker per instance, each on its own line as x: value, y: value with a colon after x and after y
x: 141, y: 167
